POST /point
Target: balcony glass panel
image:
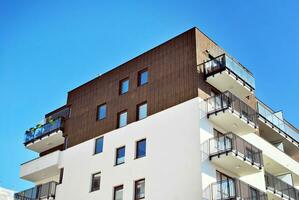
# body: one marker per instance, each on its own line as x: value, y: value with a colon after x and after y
x: 39, y: 192
x: 231, y: 142
x: 227, y: 100
x: 234, y: 189
x: 268, y: 115
x: 45, y: 129
x: 280, y: 187
x: 224, y: 61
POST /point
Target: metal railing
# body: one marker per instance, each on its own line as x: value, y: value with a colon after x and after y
x: 234, y: 189
x: 280, y: 187
x: 45, y: 129
x: 43, y: 191
x: 227, y: 100
x: 277, y: 122
x: 232, y: 143
x: 223, y: 62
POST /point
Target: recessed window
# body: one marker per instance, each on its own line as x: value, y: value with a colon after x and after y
x: 142, y: 77
x: 120, y: 155
x: 140, y: 189
x: 141, y: 148
x: 118, y: 193
x: 122, y: 119
x: 99, y: 145
x: 124, y: 86
x: 142, y: 111
x: 102, y: 112
x: 95, y: 182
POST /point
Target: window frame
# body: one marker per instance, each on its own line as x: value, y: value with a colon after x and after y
x: 118, y: 118
x: 138, y: 110
x: 139, y: 77
x: 92, y: 181
x: 120, y: 92
x: 95, y: 145
x: 98, y: 111
x: 136, y: 150
x: 116, y: 156
x: 115, y: 189
x: 135, y: 189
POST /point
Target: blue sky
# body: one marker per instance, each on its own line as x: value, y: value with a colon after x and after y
x: 50, y: 47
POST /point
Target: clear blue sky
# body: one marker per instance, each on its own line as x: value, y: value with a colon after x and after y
x: 50, y: 47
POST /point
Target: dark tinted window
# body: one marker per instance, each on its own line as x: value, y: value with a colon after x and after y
x: 142, y: 77
x: 99, y: 145
x: 95, y: 181
x: 102, y: 111
x: 120, y: 155
x: 141, y: 148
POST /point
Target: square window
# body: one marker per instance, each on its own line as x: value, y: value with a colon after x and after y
x: 102, y: 111
x: 142, y: 77
x: 95, y: 181
x: 99, y: 145
x: 140, y: 189
x: 122, y: 119
x: 142, y: 111
x: 120, y: 155
x: 124, y: 86
x: 141, y: 148
x: 118, y: 193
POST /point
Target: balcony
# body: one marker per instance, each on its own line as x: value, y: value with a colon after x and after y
x: 233, y: 189
x: 278, y: 189
x: 272, y: 123
x: 224, y: 73
x: 231, y: 152
x: 41, y: 168
x: 46, y: 136
x: 44, y: 191
x: 230, y: 113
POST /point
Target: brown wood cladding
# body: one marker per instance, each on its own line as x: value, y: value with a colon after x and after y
x: 172, y: 79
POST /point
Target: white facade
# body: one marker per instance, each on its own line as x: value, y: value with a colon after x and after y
x: 6, y: 194
x: 171, y: 168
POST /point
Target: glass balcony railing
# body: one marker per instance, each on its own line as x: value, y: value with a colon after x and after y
x: 280, y: 187
x: 232, y: 143
x: 227, y: 100
x: 43, y: 130
x: 223, y: 62
x: 277, y: 122
x: 44, y: 191
x: 234, y: 189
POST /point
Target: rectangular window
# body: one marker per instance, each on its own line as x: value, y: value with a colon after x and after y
x: 120, y: 155
x: 142, y: 111
x: 140, y: 189
x: 99, y: 145
x: 143, y: 77
x: 102, y: 112
x: 118, y: 193
x: 95, y: 181
x: 141, y: 148
x: 124, y: 86
x: 122, y: 119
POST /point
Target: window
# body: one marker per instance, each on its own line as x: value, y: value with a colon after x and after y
x: 142, y: 77
x: 122, y: 119
x: 253, y: 194
x: 140, y: 189
x: 95, y: 181
x: 124, y: 86
x: 142, y: 111
x: 249, y: 154
x: 141, y: 148
x: 99, y: 145
x: 120, y: 155
x: 102, y: 112
x: 118, y: 193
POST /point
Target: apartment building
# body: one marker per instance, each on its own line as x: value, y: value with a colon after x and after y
x: 181, y: 121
